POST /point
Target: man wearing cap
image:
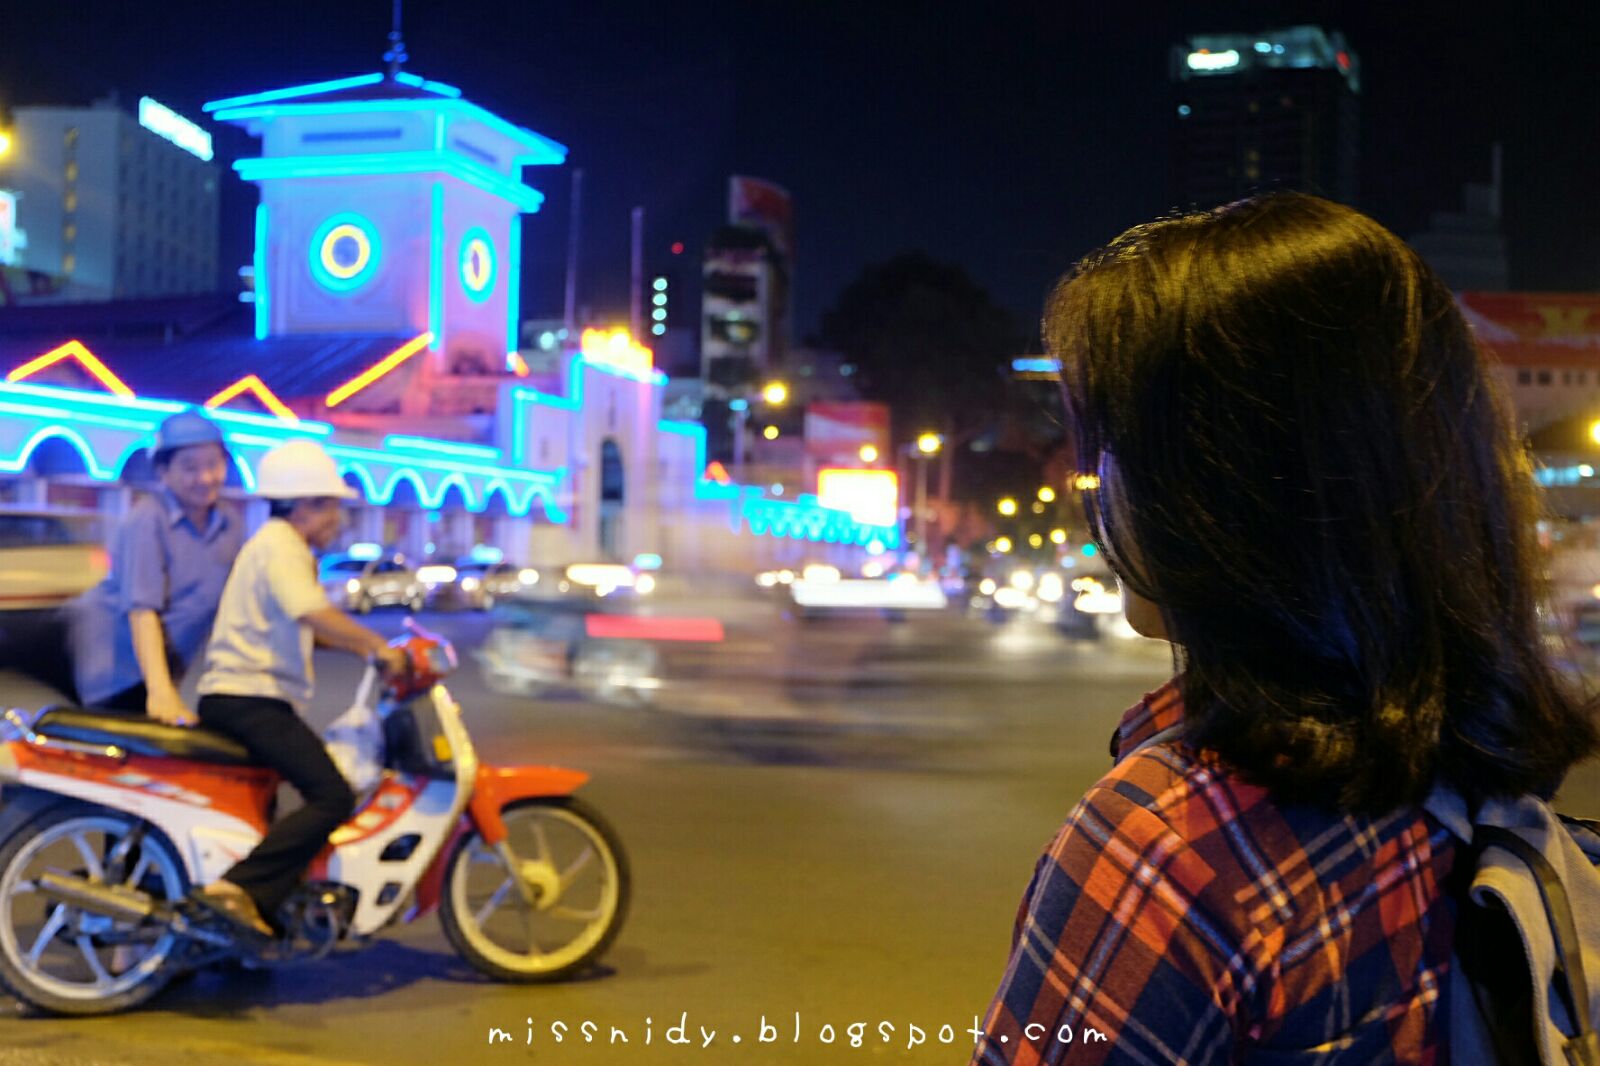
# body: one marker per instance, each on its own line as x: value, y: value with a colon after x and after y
x: 257, y: 679
x: 135, y: 633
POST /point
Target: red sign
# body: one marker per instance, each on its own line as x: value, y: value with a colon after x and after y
x: 1536, y: 328
x: 754, y: 202
x: 836, y: 432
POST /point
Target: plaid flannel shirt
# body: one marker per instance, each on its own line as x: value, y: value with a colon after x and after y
x: 1188, y: 918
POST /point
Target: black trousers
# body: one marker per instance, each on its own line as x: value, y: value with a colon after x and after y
x: 277, y: 737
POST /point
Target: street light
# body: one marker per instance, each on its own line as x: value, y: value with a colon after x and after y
x: 1002, y: 544
x: 1594, y: 432
x: 869, y: 453
x: 774, y: 394
x: 1007, y: 506
x: 1047, y: 494
x: 1058, y: 536
x: 1090, y: 482
x: 5, y: 143
x: 927, y: 446
x: 1035, y: 541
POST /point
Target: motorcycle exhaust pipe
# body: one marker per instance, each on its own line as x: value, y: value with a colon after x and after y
x: 111, y: 901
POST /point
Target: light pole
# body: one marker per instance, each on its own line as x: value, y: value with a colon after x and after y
x: 927, y: 446
x: 775, y: 394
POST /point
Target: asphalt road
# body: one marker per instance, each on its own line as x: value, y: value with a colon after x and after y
x: 829, y: 820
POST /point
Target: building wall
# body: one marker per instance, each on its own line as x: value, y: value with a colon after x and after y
x: 1544, y: 395
x: 113, y: 208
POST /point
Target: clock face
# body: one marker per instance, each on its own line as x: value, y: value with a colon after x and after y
x: 477, y: 264
x: 345, y: 251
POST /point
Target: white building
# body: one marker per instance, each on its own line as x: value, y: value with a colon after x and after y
x: 114, y: 208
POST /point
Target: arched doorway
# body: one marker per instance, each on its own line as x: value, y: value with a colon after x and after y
x: 613, y: 484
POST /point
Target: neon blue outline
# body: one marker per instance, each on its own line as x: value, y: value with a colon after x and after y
x: 259, y: 264
x: 1036, y: 365
x: 344, y: 286
x: 246, y: 475
x: 93, y: 420
x: 285, y: 429
x: 315, y: 88
x: 514, y: 287
x: 85, y: 452
x: 363, y: 475
x: 92, y: 399
x: 436, y: 266
x: 543, y: 150
x: 429, y: 446
x: 428, y: 86
x: 478, y: 295
x: 459, y: 482
x: 377, y: 164
x: 390, y: 486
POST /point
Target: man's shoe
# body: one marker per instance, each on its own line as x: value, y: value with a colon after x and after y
x: 234, y: 903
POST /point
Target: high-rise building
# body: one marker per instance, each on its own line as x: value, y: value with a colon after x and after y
x: 1273, y: 110
x: 1466, y: 247
x: 115, y: 206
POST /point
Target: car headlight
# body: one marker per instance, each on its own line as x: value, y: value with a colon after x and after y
x: 644, y: 584
x: 352, y: 586
x: 469, y: 584
x: 528, y: 577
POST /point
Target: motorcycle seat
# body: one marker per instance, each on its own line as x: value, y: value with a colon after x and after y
x: 139, y: 735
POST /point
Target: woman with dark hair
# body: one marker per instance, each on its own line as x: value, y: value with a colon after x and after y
x: 1310, y: 485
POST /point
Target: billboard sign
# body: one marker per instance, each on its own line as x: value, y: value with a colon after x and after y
x: 769, y: 207
x: 9, y: 242
x: 836, y: 432
x: 871, y: 497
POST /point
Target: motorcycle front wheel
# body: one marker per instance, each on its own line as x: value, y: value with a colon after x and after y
x: 575, y: 865
x: 62, y: 959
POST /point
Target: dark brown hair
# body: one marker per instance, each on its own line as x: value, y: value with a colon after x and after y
x: 1307, y: 466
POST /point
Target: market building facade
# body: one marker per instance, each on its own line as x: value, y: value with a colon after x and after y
x: 384, y: 323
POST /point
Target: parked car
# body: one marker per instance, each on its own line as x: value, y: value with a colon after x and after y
x: 48, y: 558
x: 361, y: 584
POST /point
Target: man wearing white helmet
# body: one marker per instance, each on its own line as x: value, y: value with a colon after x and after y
x: 258, y: 680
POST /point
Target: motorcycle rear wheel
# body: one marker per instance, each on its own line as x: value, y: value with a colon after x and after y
x: 492, y: 928
x: 61, y: 959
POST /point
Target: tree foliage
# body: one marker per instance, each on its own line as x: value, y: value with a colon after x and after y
x: 927, y: 340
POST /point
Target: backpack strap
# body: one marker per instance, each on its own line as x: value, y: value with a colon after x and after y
x: 1583, y: 1049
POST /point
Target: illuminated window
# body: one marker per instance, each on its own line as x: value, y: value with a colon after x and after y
x: 69, y: 263
x: 71, y: 136
x: 345, y: 251
x: 72, y: 171
x: 70, y: 201
x: 69, y: 232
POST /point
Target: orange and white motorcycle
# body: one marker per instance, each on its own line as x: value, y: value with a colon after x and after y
x: 108, y: 823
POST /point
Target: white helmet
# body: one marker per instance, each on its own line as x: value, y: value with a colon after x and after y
x: 300, y: 469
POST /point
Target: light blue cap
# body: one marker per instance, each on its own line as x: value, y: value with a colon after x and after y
x: 188, y: 427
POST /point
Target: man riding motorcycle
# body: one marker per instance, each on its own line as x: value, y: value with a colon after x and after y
x: 258, y: 679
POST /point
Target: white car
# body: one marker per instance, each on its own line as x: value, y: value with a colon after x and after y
x: 361, y: 584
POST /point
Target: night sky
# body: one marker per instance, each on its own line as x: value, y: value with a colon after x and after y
x: 1009, y: 138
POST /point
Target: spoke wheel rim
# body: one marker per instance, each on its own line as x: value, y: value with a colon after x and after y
x: 585, y: 911
x: 59, y: 936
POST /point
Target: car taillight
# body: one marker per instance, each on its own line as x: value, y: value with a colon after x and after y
x: 100, y: 560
